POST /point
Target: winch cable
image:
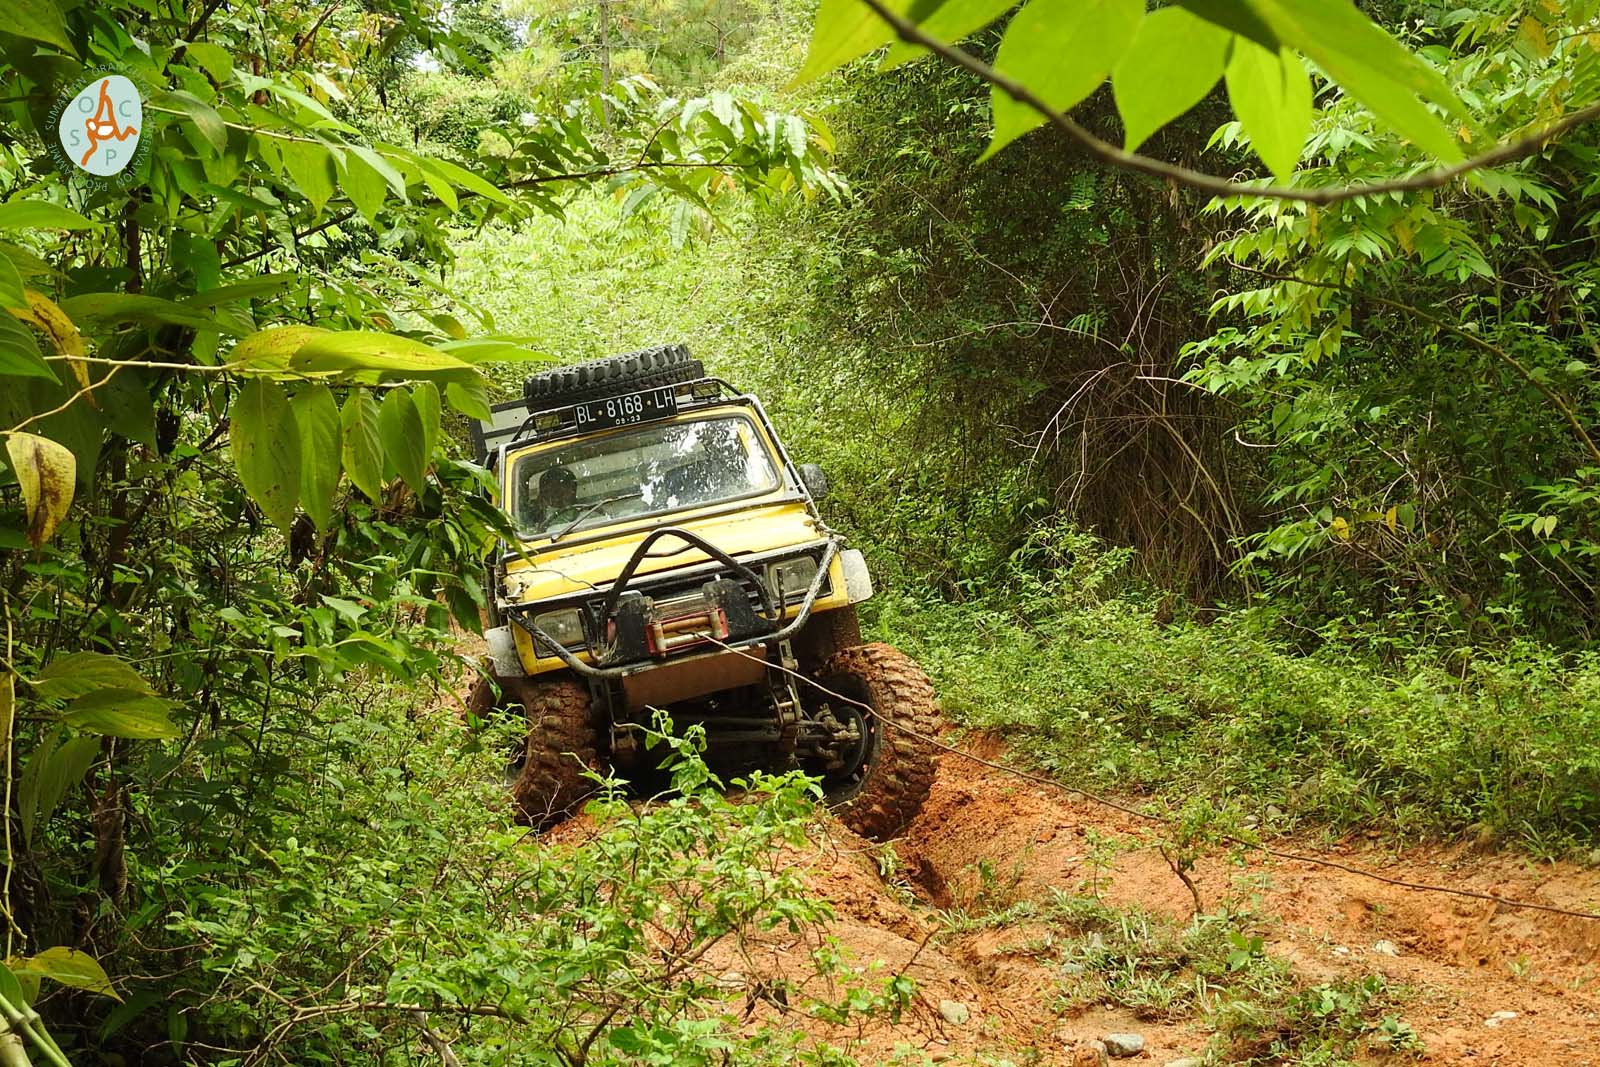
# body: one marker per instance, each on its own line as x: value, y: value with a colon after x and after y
x: 1255, y: 846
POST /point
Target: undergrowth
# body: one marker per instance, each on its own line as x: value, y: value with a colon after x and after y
x: 1091, y: 678
x: 386, y: 906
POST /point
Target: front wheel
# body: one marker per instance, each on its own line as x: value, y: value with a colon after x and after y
x: 879, y: 783
x: 563, y: 746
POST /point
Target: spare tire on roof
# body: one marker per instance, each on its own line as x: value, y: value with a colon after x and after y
x: 627, y: 373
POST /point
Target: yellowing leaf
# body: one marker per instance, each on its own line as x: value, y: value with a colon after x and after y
x: 1532, y: 33
x: 381, y: 356
x: 59, y: 330
x: 121, y: 713
x: 46, y: 473
x: 1340, y: 528
x: 78, y: 673
x: 270, y: 349
x: 1390, y: 518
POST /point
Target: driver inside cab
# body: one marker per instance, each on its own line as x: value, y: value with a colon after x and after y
x: 557, y: 502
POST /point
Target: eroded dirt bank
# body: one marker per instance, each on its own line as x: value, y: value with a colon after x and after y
x: 1480, y: 983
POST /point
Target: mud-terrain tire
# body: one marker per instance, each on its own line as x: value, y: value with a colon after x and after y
x: 629, y: 372
x: 563, y: 744
x: 899, y: 772
x: 481, y: 701
x: 826, y: 633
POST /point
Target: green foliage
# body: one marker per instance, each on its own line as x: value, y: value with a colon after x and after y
x: 404, y: 899
x: 1419, y: 367
x: 1104, y: 689
x: 1062, y: 52
x: 1217, y: 970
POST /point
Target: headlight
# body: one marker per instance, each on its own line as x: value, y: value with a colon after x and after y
x: 794, y: 575
x: 564, y: 626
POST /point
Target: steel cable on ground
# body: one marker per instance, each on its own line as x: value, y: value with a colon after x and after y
x: 1256, y: 846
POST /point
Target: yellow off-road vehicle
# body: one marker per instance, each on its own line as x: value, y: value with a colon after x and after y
x: 672, y: 557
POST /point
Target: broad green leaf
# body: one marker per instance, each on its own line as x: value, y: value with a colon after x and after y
x: 265, y: 285
x: 464, y: 178
x: 1174, y: 61
x: 310, y: 166
x: 317, y: 415
x: 78, y: 673
x: 40, y: 215
x: 47, y: 473
x: 387, y: 356
x: 204, y: 117
x: 426, y: 397
x: 1271, y: 94
x: 383, y: 166
x: 471, y: 399
x: 270, y: 349
x: 348, y: 608
x: 1371, y: 66
x: 97, y: 312
x: 266, y: 449
x: 19, y: 352
x: 436, y: 182
x: 1062, y: 50
x: 364, y: 186
x: 37, y: 20
x: 488, y: 350
x: 845, y: 30
x: 72, y: 968
x: 53, y: 770
x: 467, y: 611
x: 11, y: 285
x: 1237, y: 16
x: 213, y: 59
x: 121, y: 713
x: 404, y: 440
x: 952, y: 22
x: 361, y: 448
x: 14, y: 990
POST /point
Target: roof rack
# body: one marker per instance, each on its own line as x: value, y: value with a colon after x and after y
x: 514, y: 422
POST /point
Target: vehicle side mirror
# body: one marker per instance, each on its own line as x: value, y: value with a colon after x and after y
x: 816, y: 482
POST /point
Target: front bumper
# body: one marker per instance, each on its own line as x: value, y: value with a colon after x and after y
x: 633, y: 627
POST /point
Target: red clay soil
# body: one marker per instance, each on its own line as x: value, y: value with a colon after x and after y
x: 1462, y: 964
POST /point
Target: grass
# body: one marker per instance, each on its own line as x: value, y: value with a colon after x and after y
x: 1505, y: 747
x: 1215, y: 971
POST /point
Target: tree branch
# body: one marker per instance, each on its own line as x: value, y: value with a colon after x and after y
x: 1109, y: 153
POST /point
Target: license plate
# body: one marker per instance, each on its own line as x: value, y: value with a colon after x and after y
x: 625, y: 410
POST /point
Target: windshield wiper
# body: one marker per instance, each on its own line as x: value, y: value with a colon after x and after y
x: 591, y: 509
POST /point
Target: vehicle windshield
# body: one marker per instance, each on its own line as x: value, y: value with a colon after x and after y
x: 669, y: 466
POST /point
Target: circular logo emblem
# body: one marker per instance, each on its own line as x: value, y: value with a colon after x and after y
x: 99, y: 128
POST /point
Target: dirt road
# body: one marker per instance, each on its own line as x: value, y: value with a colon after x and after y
x: 1479, y: 983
